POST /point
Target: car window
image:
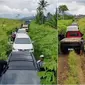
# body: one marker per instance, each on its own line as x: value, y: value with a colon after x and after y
x: 22, y: 65
x: 21, y: 31
x: 74, y: 34
x: 22, y: 41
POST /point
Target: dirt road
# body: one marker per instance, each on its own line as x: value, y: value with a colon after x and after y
x: 62, y: 68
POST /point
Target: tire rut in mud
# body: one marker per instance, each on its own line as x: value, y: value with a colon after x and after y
x: 62, y: 68
x: 82, y: 59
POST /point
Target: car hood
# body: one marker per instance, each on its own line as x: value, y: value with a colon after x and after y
x: 20, y: 77
x: 23, y: 46
x: 71, y: 40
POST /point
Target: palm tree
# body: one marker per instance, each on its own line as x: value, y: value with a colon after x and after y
x: 53, y: 20
x: 62, y: 9
x: 39, y: 15
x: 40, y: 10
x: 43, y: 4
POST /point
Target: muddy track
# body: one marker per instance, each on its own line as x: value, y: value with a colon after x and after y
x: 82, y: 63
x: 62, y: 68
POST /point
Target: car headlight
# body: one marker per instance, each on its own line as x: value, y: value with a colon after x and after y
x: 31, y: 50
x: 14, y: 49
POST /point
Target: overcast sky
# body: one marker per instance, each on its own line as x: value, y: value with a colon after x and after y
x: 23, y: 7
x: 75, y: 6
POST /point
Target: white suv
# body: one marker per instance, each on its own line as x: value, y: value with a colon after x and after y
x: 23, y: 43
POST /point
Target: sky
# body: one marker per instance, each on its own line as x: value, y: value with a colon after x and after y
x: 25, y: 8
x: 75, y: 7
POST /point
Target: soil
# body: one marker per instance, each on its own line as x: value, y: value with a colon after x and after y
x: 62, y: 68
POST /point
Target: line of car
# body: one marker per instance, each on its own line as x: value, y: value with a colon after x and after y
x: 22, y: 66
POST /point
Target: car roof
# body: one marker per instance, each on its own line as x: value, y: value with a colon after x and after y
x: 22, y: 61
x: 20, y: 77
x: 22, y: 65
x: 72, y: 28
x: 19, y: 56
x: 22, y: 35
x: 25, y: 25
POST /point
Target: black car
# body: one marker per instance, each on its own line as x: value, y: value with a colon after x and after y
x: 22, y: 69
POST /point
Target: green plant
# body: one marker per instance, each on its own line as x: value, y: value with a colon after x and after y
x: 62, y: 26
x: 81, y: 23
x: 45, y: 42
x: 6, y: 28
x: 73, y: 69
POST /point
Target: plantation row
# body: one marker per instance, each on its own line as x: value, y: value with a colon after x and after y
x: 45, y: 42
x: 62, y: 25
x: 6, y: 28
x: 81, y: 23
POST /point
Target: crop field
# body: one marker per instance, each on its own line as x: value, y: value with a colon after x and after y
x: 71, y: 67
x: 45, y: 42
x: 62, y: 26
x: 6, y: 28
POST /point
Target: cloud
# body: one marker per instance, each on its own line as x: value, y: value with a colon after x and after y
x: 24, y: 7
x: 75, y: 7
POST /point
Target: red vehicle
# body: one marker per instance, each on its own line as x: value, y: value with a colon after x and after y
x: 73, y: 40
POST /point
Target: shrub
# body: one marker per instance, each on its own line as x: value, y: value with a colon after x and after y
x: 45, y: 42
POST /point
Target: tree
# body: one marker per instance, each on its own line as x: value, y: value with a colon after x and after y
x: 53, y: 21
x: 49, y: 16
x: 43, y: 4
x: 40, y: 11
x: 62, y: 9
x: 17, y: 16
x: 39, y: 15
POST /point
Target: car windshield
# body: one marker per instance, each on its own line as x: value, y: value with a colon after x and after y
x: 21, y: 31
x: 22, y: 41
x: 74, y: 34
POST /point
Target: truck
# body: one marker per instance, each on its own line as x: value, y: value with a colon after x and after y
x: 72, y: 41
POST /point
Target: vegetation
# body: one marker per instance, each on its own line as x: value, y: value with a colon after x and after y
x: 40, y: 18
x: 66, y: 17
x: 81, y: 23
x: 53, y: 20
x: 62, y: 26
x: 45, y: 42
x: 62, y: 9
x: 73, y: 69
x: 6, y: 28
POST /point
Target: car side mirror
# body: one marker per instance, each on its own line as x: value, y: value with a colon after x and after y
x: 3, y: 66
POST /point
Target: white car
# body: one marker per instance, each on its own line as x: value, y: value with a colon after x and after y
x: 23, y: 43
x: 25, y: 26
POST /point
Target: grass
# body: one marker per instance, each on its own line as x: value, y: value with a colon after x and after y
x: 62, y: 26
x: 45, y: 42
x: 73, y: 69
